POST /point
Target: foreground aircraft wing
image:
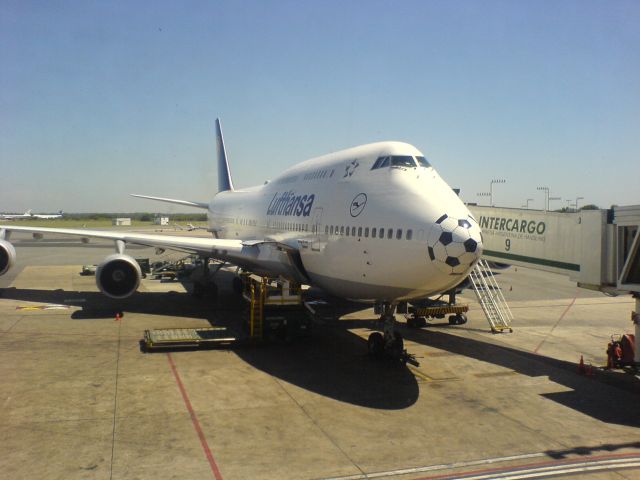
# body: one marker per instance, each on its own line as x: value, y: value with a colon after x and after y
x: 261, y: 256
x: 202, y: 246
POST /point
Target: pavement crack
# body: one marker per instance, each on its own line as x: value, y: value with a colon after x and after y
x: 115, y: 405
x: 319, y: 427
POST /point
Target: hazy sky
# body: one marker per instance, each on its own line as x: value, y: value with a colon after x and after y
x: 102, y: 99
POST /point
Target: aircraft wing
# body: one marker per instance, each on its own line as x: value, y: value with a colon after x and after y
x: 198, y: 245
x: 264, y: 256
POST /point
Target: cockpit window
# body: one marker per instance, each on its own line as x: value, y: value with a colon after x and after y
x: 381, y: 162
x: 423, y: 162
x: 406, y: 161
x: 403, y: 161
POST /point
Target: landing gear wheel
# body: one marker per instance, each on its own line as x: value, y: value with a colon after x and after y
x: 395, y: 349
x: 237, y: 285
x: 198, y: 290
x: 375, y: 344
x: 416, y: 322
x: 458, y: 319
x: 213, y: 291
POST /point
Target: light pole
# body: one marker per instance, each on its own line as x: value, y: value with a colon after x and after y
x: 553, y: 198
x: 527, y: 204
x: 546, y: 197
x: 484, y: 194
x: 498, y: 180
x: 576, y: 204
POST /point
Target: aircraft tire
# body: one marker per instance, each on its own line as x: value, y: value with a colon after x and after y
x: 198, y: 290
x: 237, y: 285
x: 397, y: 347
x: 375, y: 344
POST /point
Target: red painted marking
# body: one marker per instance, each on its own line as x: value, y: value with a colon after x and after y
x: 556, y: 324
x: 196, y: 424
x: 514, y: 469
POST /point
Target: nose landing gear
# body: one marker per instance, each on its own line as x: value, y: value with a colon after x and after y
x: 389, y: 344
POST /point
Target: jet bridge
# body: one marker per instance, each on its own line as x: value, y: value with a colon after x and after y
x: 599, y: 249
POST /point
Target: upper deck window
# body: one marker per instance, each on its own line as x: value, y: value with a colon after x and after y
x: 423, y: 162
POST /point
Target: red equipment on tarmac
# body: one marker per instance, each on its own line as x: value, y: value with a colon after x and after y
x: 621, y: 351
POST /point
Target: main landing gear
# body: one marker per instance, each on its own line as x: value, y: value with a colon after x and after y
x: 388, y: 344
x: 203, y: 284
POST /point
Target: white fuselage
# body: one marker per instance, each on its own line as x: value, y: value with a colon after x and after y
x: 333, y: 208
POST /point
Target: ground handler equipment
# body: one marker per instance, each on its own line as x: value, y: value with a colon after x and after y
x: 274, y: 312
x: 167, y: 338
x: 621, y: 351
x: 417, y: 315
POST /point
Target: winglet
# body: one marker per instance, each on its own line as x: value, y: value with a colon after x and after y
x: 224, y: 175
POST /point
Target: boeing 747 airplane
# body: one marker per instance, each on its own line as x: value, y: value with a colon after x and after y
x: 47, y: 216
x: 373, y: 223
x: 15, y: 216
x: 29, y: 215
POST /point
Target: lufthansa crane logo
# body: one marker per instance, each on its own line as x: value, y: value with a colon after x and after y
x: 357, y: 204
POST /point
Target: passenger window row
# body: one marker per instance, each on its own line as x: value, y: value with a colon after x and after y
x: 246, y: 221
x: 318, y: 175
x: 291, y: 226
x: 374, y: 232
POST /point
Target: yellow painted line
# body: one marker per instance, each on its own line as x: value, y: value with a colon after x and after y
x: 42, y: 307
x: 495, y: 374
x: 420, y: 375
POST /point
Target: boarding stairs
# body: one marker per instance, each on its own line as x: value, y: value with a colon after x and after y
x: 257, y: 291
x: 491, y: 298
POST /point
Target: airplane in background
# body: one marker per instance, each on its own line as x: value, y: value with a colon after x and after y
x: 28, y: 214
x: 374, y: 223
x: 11, y: 216
x: 44, y: 216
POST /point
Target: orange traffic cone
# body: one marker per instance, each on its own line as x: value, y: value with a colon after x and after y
x: 581, y: 368
x: 118, y: 317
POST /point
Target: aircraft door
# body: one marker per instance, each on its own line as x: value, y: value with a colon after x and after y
x: 317, y: 229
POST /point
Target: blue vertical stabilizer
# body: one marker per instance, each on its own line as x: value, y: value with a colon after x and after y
x: 224, y: 175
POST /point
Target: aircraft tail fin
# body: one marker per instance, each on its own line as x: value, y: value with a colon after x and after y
x: 224, y: 174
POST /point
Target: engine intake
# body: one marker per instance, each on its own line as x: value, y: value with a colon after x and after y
x: 7, y: 256
x: 118, y: 276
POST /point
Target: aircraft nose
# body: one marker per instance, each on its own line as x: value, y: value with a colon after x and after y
x: 454, y: 244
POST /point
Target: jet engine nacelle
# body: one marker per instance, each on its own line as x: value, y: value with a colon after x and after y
x: 118, y: 276
x: 7, y: 256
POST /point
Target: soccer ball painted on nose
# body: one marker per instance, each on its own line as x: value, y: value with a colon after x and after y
x: 454, y: 244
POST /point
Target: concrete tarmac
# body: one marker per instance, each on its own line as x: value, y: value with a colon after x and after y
x: 80, y: 401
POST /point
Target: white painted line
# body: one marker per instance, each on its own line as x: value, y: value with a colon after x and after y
x: 517, y: 473
x: 446, y: 466
x: 554, y: 470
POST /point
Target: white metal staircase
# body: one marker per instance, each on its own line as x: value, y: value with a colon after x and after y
x: 490, y: 297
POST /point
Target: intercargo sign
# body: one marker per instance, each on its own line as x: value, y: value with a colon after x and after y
x: 512, y: 225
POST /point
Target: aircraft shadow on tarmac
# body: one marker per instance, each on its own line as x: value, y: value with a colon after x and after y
x: 611, y: 397
x: 331, y: 363
x: 95, y: 305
